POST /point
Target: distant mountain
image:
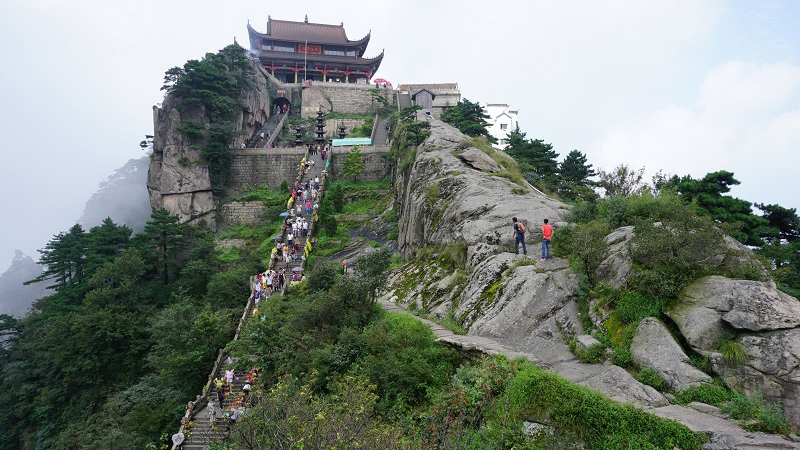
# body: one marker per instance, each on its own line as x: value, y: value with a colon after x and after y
x: 122, y: 196
x: 16, y: 298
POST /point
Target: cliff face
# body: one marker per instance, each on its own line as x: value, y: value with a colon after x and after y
x: 178, y: 178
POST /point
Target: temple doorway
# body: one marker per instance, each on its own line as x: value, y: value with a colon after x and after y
x: 280, y: 105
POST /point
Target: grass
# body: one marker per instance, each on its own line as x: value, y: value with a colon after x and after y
x: 649, y: 377
x: 732, y: 352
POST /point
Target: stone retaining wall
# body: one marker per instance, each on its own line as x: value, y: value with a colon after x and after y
x: 376, y: 160
x: 248, y: 213
x: 254, y: 167
x: 344, y: 98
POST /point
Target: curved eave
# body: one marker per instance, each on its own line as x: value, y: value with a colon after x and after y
x: 255, y: 37
x: 361, y: 43
x: 376, y: 61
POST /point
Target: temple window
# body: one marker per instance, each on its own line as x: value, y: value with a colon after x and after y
x: 284, y: 48
x: 337, y: 51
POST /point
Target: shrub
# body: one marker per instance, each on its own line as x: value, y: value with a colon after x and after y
x: 585, y: 242
x: 649, y: 377
x: 711, y: 393
x: 405, y: 360
x: 621, y: 356
x: 671, y: 255
x: 768, y: 418
x: 582, y: 212
x: 634, y: 306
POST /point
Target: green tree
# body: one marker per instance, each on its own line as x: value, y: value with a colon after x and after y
x: 784, y: 224
x: 215, y: 85
x: 623, y: 181
x: 353, y: 164
x: 373, y: 268
x: 104, y: 244
x: 470, y: 119
x: 167, y: 236
x: 337, y: 197
x: 707, y: 193
x: 575, y: 176
x: 64, y: 257
x: 537, y: 159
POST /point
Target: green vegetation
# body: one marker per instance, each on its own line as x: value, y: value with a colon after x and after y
x: 732, y: 352
x: 110, y: 359
x: 713, y: 394
x: 365, y: 130
x: 470, y: 119
x: 757, y: 415
x: 214, y: 83
x: 353, y: 164
x: 336, y: 347
x: 409, y: 134
x: 652, y: 379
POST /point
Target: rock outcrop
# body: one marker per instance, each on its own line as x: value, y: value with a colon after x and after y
x: 178, y: 178
x: 443, y: 198
x: 755, y: 315
x: 653, y: 346
x: 510, y: 300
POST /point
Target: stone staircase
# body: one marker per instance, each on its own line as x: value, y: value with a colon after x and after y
x: 381, y: 136
x: 404, y: 100
x: 203, y: 432
x: 198, y: 431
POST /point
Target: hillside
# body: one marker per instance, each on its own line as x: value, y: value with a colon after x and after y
x: 649, y: 328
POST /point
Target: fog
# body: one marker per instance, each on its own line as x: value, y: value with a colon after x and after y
x: 688, y: 87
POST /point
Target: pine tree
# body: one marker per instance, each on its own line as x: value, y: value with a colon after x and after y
x: 104, y: 243
x: 707, y: 193
x: 470, y: 119
x: 575, y: 176
x: 65, y: 257
x: 167, y: 237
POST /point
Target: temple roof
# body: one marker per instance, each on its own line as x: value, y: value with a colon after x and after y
x: 314, y: 33
x: 331, y: 59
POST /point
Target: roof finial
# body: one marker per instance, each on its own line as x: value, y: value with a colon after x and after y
x: 269, y: 16
x: 341, y: 24
x: 306, y: 18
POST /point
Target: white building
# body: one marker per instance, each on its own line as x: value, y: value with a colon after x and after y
x: 501, y: 121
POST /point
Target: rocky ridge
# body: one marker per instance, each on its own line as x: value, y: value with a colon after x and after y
x: 514, y: 305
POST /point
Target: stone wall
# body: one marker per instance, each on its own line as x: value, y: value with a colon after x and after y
x: 254, y: 167
x: 376, y: 160
x: 332, y: 126
x: 248, y: 213
x: 344, y: 98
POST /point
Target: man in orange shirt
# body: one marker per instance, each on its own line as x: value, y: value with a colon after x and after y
x: 547, y: 234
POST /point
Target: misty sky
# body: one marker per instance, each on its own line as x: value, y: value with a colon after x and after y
x: 689, y: 87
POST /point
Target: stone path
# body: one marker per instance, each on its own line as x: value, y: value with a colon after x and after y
x: 268, y: 129
x: 723, y: 434
x: 381, y: 132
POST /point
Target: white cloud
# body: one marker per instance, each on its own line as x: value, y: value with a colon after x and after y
x: 746, y: 119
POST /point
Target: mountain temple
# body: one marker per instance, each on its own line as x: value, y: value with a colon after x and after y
x: 297, y: 51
